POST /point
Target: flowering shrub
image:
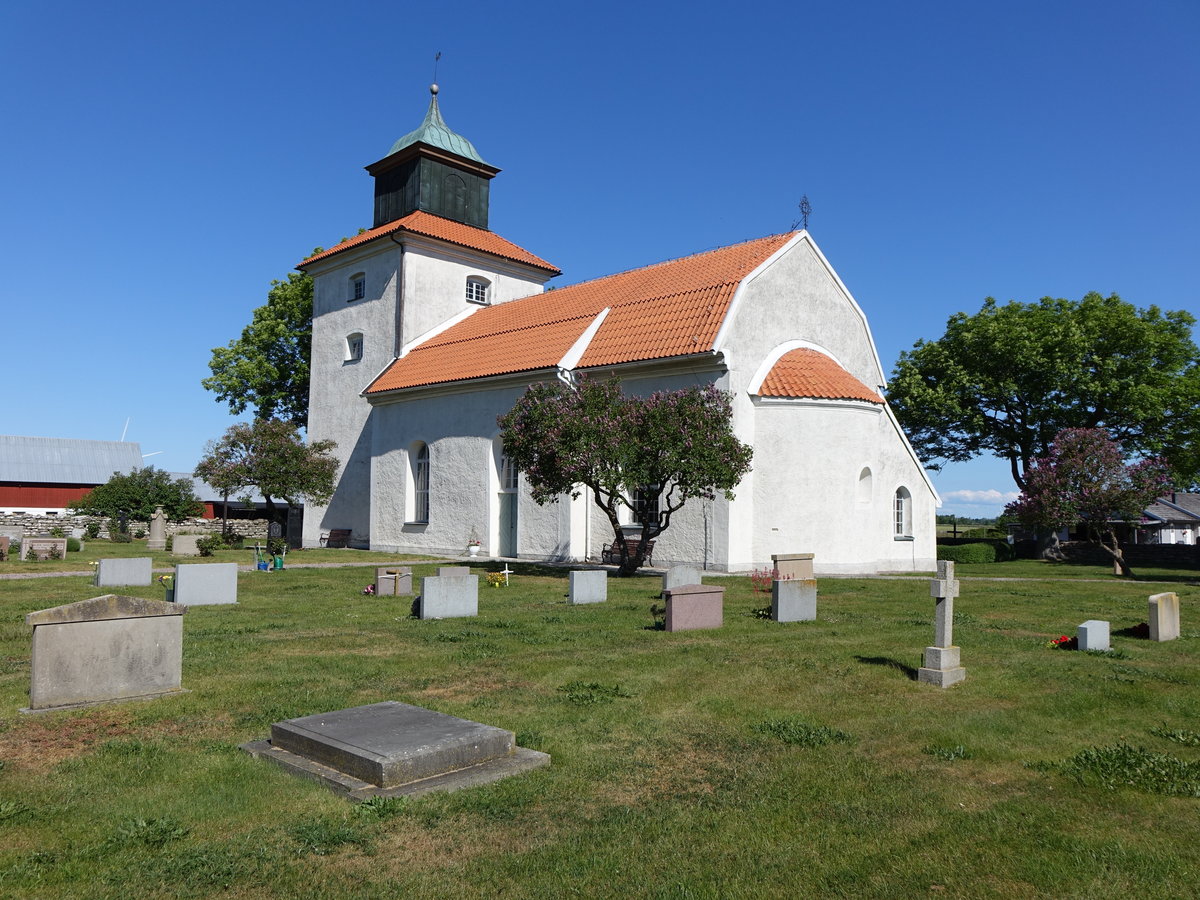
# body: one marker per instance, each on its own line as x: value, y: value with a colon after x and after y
x: 760, y: 579
x: 496, y: 579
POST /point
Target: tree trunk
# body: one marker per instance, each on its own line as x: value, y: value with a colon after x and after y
x: 1048, y: 548
x: 1120, y: 567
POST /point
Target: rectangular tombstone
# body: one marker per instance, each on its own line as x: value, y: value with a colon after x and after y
x: 677, y: 576
x: 393, y: 581
x: 115, y: 572
x: 1164, y: 617
x: 454, y: 570
x: 588, y: 586
x: 693, y: 606
x: 794, y: 601
x: 197, y: 584
x: 103, y: 649
x: 449, y: 596
x: 1093, y: 635
x: 41, y: 547
x: 185, y: 545
x: 793, y: 565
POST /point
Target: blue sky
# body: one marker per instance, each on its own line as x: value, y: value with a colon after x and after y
x: 164, y: 162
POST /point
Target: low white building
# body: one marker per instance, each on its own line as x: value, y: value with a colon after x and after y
x: 429, y: 326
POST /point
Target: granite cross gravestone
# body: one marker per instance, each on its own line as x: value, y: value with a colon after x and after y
x: 942, y: 660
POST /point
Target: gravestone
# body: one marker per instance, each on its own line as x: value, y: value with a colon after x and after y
x: 103, y: 649
x: 1093, y: 635
x: 14, y: 533
x: 680, y: 575
x: 794, y: 600
x: 4, y: 542
x: 1164, y: 617
x: 185, y: 545
x: 393, y: 749
x: 793, y: 566
x: 117, y: 572
x: 43, y: 547
x: 198, y: 584
x: 454, y: 570
x: 588, y: 586
x: 942, y: 660
x: 448, y: 596
x: 158, y: 530
x: 393, y: 581
x: 694, y: 606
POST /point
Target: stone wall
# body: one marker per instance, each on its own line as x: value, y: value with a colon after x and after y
x: 74, y: 526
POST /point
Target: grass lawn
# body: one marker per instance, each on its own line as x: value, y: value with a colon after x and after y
x: 758, y: 760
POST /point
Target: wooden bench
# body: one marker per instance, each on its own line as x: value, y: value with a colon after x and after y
x: 338, y: 537
x: 611, y: 553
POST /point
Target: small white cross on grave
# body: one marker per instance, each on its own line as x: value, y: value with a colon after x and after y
x: 941, y: 660
x: 506, y: 571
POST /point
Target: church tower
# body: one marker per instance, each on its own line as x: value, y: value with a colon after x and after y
x: 435, y: 170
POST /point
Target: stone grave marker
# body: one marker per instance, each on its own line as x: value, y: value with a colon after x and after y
x: 694, y: 606
x: 393, y: 749
x: 794, y: 600
x: 1093, y: 635
x: 588, y: 586
x: 117, y: 572
x: 793, y: 566
x: 393, y: 581
x: 158, y: 530
x: 103, y: 649
x: 201, y: 584
x: 4, y: 542
x: 448, y: 596
x: 185, y: 545
x: 677, y: 576
x: 942, y: 660
x: 1164, y: 616
x: 43, y: 547
x: 454, y: 570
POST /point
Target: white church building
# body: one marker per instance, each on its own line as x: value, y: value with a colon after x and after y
x: 428, y: 326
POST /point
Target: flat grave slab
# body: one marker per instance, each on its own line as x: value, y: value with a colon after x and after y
x: 394, y: 749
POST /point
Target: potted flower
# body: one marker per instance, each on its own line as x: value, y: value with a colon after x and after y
x: 473, y: 544
x: 168, y: 583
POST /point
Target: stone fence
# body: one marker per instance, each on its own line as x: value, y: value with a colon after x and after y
x: 1135, y: 554
x: 75, y: 526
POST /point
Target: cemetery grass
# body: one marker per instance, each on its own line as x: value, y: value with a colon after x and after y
x: 758, y: 760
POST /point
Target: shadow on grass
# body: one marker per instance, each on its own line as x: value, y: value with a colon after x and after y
x: 909, y: 672
x: 1141, y: 630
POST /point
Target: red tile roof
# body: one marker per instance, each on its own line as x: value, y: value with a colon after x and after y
x: 421, y: 222
x: 808, y: 374
x: 673, y: 308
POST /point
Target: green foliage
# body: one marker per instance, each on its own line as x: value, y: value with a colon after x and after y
x: 152, y: 833
x: 73, y: 545
x: 93, y: 530
x: 209, y: 545
x: 271, y: 456
x: 980, y: 552
x: 58, y: 531
x: 583, y: 693
x: 947, y: 753
x: 1178, y: 735
x: 137, y: 494
x: 322, y: 836
x: 267, y: 368
x: 802, y: 734
x: 1124, y: 766
x: 12, y: 809
x: 647, y: 454
x: 382, y: 807
x: 1008, y: 379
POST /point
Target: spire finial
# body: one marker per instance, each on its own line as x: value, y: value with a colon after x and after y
x: 433, y: 88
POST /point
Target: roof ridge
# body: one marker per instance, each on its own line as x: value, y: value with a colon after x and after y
x: 676, y: 259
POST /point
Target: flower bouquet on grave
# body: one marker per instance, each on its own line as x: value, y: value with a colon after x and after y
x: 496, y: 579
x: 369, y: 590
x: 1063, y: 642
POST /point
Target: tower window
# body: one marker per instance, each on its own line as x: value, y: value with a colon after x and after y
x: 354, y: 347
x: 358, y: 287
x: 477, y: 291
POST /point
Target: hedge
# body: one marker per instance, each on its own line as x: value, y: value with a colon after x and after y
x: 977, y: 552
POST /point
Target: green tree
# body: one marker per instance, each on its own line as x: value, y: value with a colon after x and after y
x: 267, y: 368
x: 1006, y: 380
x: 1084, y: 480
x: 647, y: 454
x: 270, y: 455
x: 138, y: 493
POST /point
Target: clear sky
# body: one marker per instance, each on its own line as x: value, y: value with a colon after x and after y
x: 162, y: 163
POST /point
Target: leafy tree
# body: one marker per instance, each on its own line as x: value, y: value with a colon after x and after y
x: 1006, y: 380
x: 267, y: 368
x: 647, y: 454
x: 270, y: 455
x: 138, y: 493
x: 1084, y: 479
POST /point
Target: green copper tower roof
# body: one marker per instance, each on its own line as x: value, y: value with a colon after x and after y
x: 435, y: 132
